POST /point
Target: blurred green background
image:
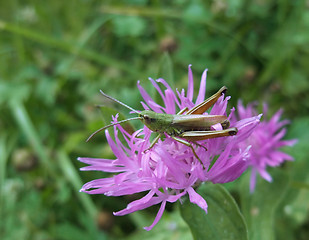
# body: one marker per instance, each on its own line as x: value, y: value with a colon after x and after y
x: 55, y: 56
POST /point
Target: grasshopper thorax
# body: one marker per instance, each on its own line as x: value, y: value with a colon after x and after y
x: 149, y: 118
x: 156, y: 122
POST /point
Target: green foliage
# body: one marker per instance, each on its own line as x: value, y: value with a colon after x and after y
x: 171, y: 226
x: 259, y: 207
x: 223, y: 220
x: 55, y: 56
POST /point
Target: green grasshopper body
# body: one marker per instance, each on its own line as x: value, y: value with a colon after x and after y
x: 177, y: 125
x: 186, y: 127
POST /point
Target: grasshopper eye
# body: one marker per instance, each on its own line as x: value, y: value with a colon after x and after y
x: 147, y: 119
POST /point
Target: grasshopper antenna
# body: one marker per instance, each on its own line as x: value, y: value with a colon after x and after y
x: 110, y: 125
x: 117, y: 101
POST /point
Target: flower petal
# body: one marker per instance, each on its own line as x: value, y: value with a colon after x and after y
x: 158, y: 217
x: 201, y: 93
x: 197, y: 199
x: 190, y: 84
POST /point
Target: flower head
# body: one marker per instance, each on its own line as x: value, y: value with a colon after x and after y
x: 170, y: 170
x: 265, y: 141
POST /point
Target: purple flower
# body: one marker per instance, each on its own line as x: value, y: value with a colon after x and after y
x: 170, y: 170
x: 265, y: 142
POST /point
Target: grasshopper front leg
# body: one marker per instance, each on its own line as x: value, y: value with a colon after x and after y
x: 153, y: 142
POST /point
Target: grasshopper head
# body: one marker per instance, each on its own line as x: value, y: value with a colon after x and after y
x: 148, y: 118
x: 156, y: 122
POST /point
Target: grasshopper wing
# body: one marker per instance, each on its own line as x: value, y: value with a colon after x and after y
x: 202, y: 107
x: 196, y: 122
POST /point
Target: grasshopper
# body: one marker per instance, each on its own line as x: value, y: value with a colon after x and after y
x: 186, y: 127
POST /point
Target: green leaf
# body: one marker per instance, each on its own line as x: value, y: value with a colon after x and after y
x: 259, y: 207
x: 170, y: 226
x: 223, y: 221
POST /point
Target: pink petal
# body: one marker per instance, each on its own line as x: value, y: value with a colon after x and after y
x: 148, y: 99
x: 197, y: 199
x: 190, y: 84
x: 201, y: 93
x: 158, y: 217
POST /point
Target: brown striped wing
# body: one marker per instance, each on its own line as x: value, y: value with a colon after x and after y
x: 196, y: 122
